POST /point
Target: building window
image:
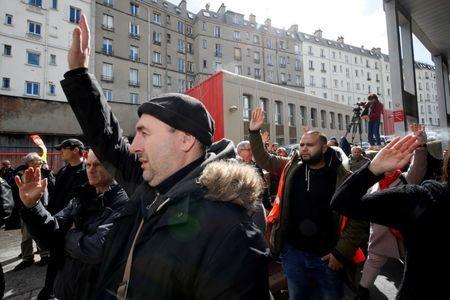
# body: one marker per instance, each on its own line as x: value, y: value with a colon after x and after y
x: 107, y: 72
x: 188, y: 30
x: 311, y: 65
x: 37, y: 3
x: 246, y: 107
x: 190, y: 67
x: 270, y: 75
x: 107, y: 47
x: 134, y: 77
x: 278, y: 113
x: 7, y: 50
x: 181, y: 85
x: 291, y: 114
x: 205, y: 63
x: 53, y: 59
x: 298, y: 80
x: 237, y: 54
x: 217, y: 66
x: 255, y: 39
x: 34, y: 28
x: 157, y: 80
x: 181, y: 48
x: 134, y: 9
x: 156, y: 38
x: 283, y: 45
x: 108, y: 22
x: 8, y: 19
x: 157, y: 18
x: 74, y: 15
x: 134, y: 53
x: 256, y: 57
x: 218, y: 52
x: 6, y: 83
x: 180, y: 27
x: 33, y: 58
x: 168, y: 19
x: 204, y: 44
x: 313, y: 117
x: 156, y: 57
x: 54, y: 4
x: 332, y: 120
x: 134, y: 98
x: 108, y: 94
x: 169, y: 80
x: 108, y: 3
x: 323, y: 117
x: 32, y: 88
x: 134, y: 30
x: 270, y: 59
x: 303, y: 115
x: 181, y: 65
x: 51, y: 89
x: 217, y: 31
x: 204, y: 26
x: 237, y: 35
x: 311, y: 81
x: 282, y: 61
x: 257, y: 73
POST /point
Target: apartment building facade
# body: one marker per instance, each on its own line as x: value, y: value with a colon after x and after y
x: 35, y: 37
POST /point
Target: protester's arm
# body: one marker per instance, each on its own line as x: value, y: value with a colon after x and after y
x: 271, y: 163
x: 88, y: 247
x: 418, y: 167
x: 396, y: 207
x: 6, y: 202
x: 237, y: 269
x: 99, y: 125
x: 48, y: 230
x: 354, y: 233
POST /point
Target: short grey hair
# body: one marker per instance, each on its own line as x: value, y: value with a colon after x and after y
x: 242, y: 145
x: 31, y: 156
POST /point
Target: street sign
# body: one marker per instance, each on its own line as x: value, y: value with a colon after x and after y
x: 398, y: 116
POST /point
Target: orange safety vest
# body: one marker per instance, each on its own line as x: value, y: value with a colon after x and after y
x: 274, y: 213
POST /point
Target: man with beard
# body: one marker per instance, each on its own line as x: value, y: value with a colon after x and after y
x: 314, y: 245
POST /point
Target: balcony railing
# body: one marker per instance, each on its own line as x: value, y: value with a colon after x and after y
x: 134, y: 83
x: 134, y: 35
x: 107, y: 78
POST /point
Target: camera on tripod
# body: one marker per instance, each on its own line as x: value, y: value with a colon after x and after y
x: 358, y: 107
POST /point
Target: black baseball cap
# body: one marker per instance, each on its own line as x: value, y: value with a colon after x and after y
x: 70, y: 143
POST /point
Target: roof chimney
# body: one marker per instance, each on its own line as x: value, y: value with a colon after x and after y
x: 293, y: 28
x: 340, y: 39
x: 182, y: 4
x: 318, y: 33
x: 268, y: 22
x: 222, y: 9
x: 207, y: 6
x: 252, y: 18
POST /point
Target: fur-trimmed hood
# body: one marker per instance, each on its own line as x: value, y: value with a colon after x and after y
x: 232, y: 181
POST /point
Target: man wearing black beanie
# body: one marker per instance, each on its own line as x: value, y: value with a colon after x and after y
x: 175, y: 239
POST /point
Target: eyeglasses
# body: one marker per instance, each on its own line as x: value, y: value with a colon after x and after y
x: 246, y: 149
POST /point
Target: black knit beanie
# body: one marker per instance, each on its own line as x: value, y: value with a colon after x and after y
x: 182, y: 112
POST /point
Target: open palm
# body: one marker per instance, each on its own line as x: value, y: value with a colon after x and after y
x: 32, y: 187
x: 257, y: 120
x: 79, y: 51
x: 395, y: 155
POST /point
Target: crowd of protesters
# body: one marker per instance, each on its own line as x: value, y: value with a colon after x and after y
x: 174, y: 215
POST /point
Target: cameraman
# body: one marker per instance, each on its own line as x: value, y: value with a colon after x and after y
x: 372, y: 111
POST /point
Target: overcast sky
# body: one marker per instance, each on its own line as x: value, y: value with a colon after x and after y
x: 361, y: 22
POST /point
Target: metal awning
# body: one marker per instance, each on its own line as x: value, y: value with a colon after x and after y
x: 430, y: 22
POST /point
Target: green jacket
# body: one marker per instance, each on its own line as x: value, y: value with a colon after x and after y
x: 355, y: 232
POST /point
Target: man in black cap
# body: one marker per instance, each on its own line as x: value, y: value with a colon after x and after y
x: 68, y: 179
x: 175, y: 239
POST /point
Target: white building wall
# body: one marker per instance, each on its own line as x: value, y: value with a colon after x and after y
x: 55, y: 38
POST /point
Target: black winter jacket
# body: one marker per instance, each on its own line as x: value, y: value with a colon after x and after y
x: 80, y: 231
x: 6, y: 202
x: 190, y: 247
x: 419, y: 212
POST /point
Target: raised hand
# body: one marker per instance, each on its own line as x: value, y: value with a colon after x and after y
x: 419, y: 131
x: 32, y: 188
x: 395, y: 155
x: 257, y: 120
x: 79, y: 51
